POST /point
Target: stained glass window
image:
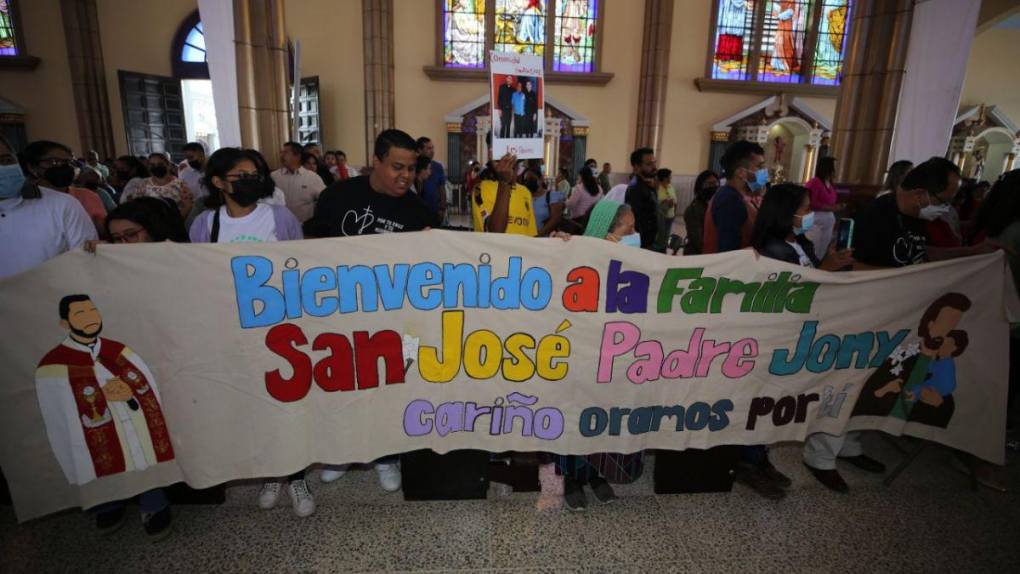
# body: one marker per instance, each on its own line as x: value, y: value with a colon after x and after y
x: 574, y: 47
x: 464, y: 33
x: 767, y: 41
x: 8, y: 38
x: 194, y: 46
x: 831, y: 45
x: 520, y: 26
x: 733, y: 38
x: 782, y: 42
x: 563, y: 32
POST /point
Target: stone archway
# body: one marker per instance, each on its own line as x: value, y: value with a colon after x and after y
x: 791, y: 132
x: 985, y: 143
x: 787, y: 150
x: 990, y: 157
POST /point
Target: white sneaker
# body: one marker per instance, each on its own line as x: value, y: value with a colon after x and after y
x: 332, y: 473
x: 389, y: 476
x: 269, y: 494
x: 301, y: 498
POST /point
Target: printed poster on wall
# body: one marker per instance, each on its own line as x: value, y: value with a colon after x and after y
x: 517, y: 91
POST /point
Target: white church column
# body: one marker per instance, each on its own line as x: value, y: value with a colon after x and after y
x: 219, y: 16
x: 484, y: 124
x: 936, y: 66
x: 553, y: 131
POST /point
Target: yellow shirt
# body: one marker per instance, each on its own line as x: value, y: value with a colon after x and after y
x: 522, y: 215
x: 667, y: 192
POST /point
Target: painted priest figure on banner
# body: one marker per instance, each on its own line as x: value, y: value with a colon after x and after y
x: 518, y: 105
x: 917, y: 381
x: 99, y: 401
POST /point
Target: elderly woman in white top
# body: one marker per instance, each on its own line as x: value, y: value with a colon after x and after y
x: 161, y: 183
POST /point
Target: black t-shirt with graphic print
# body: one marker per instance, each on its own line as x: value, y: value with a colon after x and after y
x: 351, y: 207
x: 884, y: 237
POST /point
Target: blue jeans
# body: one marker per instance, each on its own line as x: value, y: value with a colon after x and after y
x: 150, y: 501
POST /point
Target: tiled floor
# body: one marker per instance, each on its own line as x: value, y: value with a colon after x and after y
x: 928, y: 521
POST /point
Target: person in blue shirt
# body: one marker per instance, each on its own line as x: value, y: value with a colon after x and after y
x: 518, y: 100
x: 433, y: 192
x: 548, y: 203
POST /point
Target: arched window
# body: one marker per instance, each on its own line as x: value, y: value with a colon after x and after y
x: 8, y: 35
x: 799, y: 44
x: 188, y: 56
x: 567, y: 33
x: 13, y: 53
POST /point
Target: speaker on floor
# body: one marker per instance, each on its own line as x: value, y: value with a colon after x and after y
x: 694, y: 470
x: 456, y: 475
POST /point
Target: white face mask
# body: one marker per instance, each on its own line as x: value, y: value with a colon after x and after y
x: 933, y: 212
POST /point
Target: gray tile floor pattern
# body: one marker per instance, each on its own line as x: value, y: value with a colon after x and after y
x: 928, y: 521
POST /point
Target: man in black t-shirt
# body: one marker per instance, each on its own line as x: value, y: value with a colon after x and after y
x: 366, y: 205
x: 888, y: 236
x: 642, y: 197
x: 376, y: 203
x: 892, y: 230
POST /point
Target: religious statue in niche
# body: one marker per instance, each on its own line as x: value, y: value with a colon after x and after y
x: 785, y: 57
x: 917, y: 381
x: 99, y: 401
x: 978, y: 168
x: 780, y: 150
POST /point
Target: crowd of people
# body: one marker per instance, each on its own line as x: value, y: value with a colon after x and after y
x: 52, y: 202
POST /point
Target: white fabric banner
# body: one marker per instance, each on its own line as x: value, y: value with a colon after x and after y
x: 148, y: 364
x: 940, y: 38
x: 218, y: 21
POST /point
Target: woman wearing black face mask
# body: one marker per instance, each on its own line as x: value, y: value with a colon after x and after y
x: 694, y: 216
x: 162, y: 184
x: 50, y: 165
x: 127, y: 172
x: 236, y: 184
x: 237, y: 179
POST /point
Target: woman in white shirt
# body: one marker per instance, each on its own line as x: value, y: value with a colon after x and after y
x: 236, y: 184
x: 161, y: 183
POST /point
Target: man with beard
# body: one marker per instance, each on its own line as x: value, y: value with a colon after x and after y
x: 641, y: 196
x: 101, y: 408
x: 506, y: 106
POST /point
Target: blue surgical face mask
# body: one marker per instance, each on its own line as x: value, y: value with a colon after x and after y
x: 632, y: 240
x: 761, y: 178
x: 806, y: 223
x: 11, y: 181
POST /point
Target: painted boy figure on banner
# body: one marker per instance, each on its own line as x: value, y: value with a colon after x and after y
x: 99, y: 401
x: 916, y: 382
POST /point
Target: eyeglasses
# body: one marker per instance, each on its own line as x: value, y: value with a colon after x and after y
x: 48, y: 162
x: 232, y: 177
x: 129, y: 236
